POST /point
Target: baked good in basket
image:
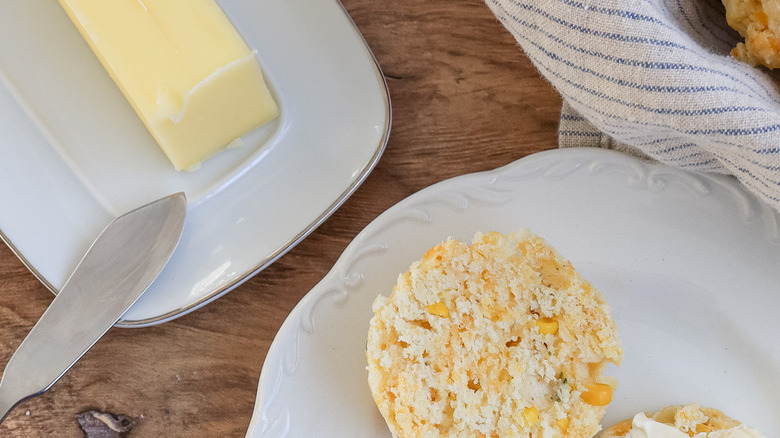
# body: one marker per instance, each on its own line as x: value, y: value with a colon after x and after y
x: 757, y: 22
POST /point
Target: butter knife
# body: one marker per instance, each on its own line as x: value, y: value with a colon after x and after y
x: 118, y: 267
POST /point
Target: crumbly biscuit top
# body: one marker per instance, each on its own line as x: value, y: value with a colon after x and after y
x: 499, y: 338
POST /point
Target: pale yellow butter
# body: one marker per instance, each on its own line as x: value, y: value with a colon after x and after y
x: 183, y: 67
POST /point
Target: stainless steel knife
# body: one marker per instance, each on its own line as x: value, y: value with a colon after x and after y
x: 119, y: 266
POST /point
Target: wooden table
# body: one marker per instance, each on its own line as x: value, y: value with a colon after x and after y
x: 465, y: 99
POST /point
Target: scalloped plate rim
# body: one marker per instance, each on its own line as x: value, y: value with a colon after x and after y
x: 279, y: 363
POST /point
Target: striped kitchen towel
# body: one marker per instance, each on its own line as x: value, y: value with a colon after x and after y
x: 655, y: 77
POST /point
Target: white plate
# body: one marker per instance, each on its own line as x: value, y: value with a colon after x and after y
x: 688, y: 263
x: 75, y: 155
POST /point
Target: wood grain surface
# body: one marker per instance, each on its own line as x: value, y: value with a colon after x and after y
x: 464, y: 99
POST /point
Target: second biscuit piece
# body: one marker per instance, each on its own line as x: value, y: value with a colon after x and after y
x: 690, y: 420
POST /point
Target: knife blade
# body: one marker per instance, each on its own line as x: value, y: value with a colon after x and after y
x: 117, y: 268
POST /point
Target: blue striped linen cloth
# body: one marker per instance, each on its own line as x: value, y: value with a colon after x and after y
x: 655, y: 78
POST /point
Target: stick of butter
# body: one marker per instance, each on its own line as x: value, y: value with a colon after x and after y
x: 183, y: 67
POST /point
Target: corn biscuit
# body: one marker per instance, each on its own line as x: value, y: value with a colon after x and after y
x: 497, y: 338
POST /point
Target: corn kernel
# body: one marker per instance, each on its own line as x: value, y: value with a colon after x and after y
x: 563, y: 424
x: 547, y: 326
x: 438, y: 309
x: 530, y: 416
x: 597, y: 394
